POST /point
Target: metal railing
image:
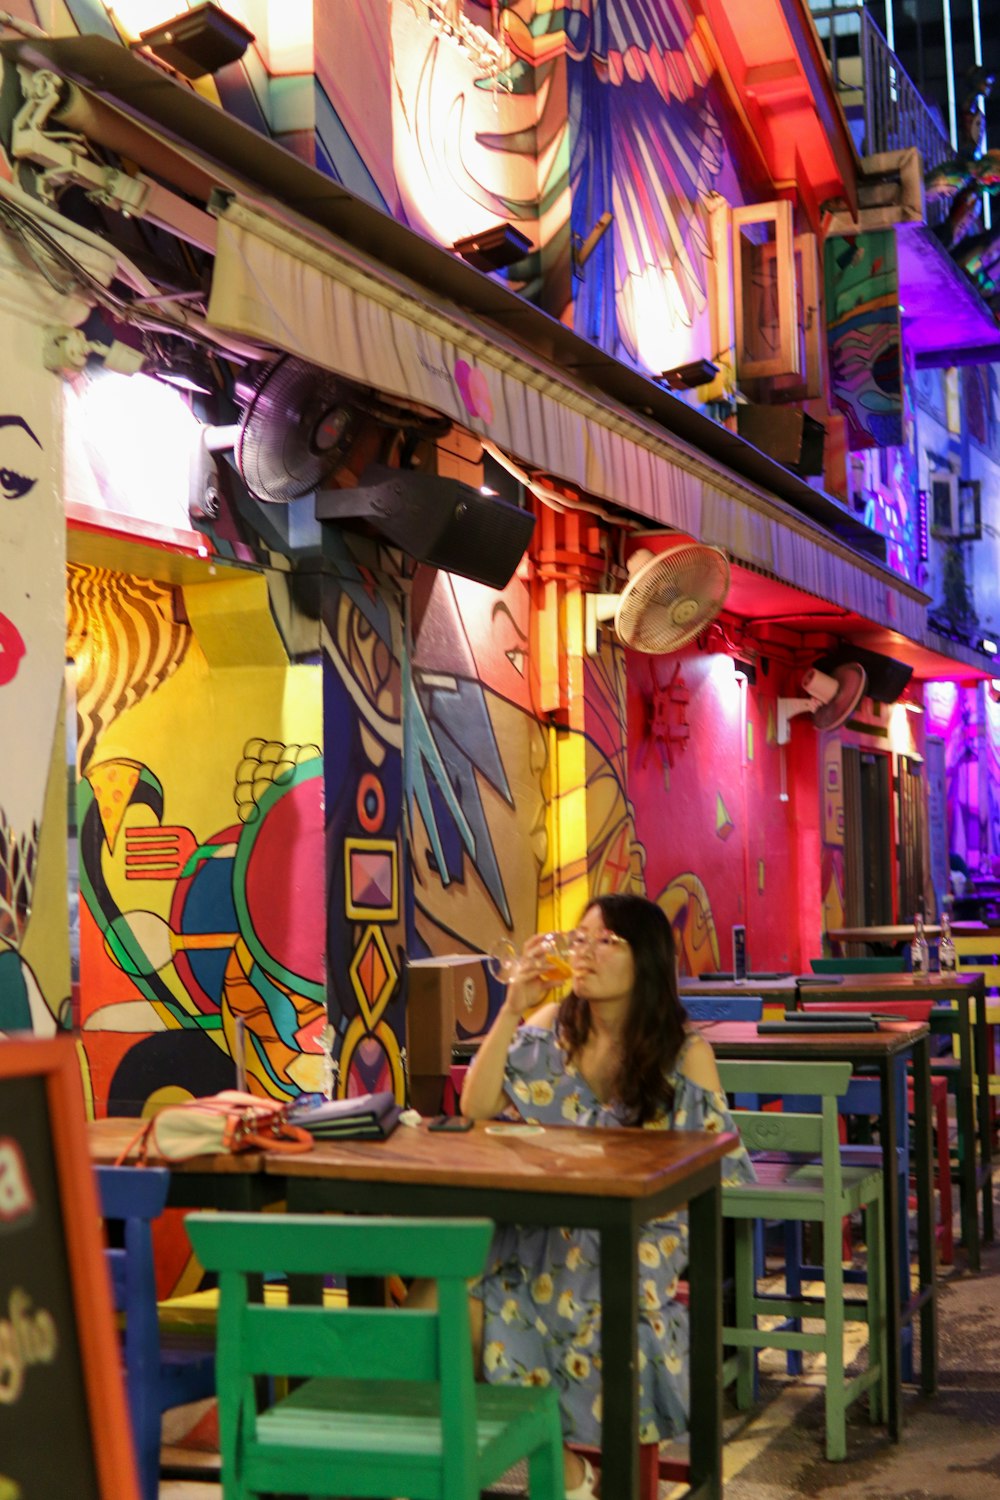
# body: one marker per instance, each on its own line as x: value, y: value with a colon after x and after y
x: 896, y: 116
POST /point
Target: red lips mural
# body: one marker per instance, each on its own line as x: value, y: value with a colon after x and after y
x: 12, y: 649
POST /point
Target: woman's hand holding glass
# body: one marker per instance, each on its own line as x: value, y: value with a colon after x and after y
x: 543, y: 963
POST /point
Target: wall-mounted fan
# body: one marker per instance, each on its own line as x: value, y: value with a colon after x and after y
x: 298, y: 425
x: 830, y: 699
x: 669, y: 598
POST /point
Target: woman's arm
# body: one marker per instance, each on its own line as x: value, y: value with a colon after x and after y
x: 483, y: 1093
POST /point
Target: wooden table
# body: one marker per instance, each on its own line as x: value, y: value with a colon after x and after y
x: 783, y: 991
x: 968, y: 993
x: 613, y: 1181
x: 881, y: 1050
x: 892, y: 935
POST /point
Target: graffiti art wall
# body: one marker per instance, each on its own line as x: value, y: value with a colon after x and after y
x: 863, y: 337
x: 707, y: 777
x: 34, y: 947
x: 200, y: 839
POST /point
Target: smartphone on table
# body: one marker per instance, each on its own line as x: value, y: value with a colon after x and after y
x: 450, y: 1124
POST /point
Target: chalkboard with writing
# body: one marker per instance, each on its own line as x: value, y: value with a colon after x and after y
x: 63, y: 1423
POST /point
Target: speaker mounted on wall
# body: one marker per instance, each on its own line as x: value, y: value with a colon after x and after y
x: 436, y: 520
x: 787, y: 434
x: 887, y: 677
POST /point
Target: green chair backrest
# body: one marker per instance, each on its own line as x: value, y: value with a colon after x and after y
x: 886, y: 965
x: 371, y: 1344
x: 781, y: 1130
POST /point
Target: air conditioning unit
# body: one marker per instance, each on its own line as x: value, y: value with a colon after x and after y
x: 955, y: 513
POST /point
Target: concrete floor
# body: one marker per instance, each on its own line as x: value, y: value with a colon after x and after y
x: 951, y: 1445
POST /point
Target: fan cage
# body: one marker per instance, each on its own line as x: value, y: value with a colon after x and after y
x: 672, y: 598
x: 276, y: 455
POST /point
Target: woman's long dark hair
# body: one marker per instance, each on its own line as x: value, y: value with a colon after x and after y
x: 654, y: 1026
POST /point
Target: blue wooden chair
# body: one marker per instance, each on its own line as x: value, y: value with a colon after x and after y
x: 723, y: 1007
x: 160, y: 1373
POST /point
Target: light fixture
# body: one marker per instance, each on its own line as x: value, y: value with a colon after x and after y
x: 186, y: 367
x: 988, y: 646
x: 686, y: 377
x: 584, y: 248
x: 494, y: 248
x: 745, y: 671
x: 198, y: 41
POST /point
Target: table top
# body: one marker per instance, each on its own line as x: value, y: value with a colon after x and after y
x: 740, y: 1038
x: 108, y: 1138
x: 899, y: 932
x: 891, y: 986
x: 613, y: 1162
x: 764, y: 988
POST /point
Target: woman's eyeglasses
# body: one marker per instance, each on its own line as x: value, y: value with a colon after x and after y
x: 601, y: 943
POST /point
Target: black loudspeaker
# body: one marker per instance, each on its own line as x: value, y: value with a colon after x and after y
x: 886, y: 677
x: 436, y: 520
x: 785, y: 433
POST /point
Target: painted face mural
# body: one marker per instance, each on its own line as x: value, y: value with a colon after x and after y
x: 633, y: 134
x: 34, y: 977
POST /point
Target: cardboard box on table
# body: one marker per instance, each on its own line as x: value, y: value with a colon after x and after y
x: 447, y: 999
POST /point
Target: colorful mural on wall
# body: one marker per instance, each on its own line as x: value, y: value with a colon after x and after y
x: 34, y: 949
x: 710, y: 840
x: 597, y: 132
x: 863, y: 337
x: 200, y: 843
x: 967, y: 719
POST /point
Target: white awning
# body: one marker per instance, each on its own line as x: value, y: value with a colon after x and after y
x: 294, y: 287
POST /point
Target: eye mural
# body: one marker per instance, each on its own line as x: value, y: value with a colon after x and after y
x: 19, y: 465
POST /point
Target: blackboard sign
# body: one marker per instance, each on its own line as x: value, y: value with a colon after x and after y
x: 63, y: 1420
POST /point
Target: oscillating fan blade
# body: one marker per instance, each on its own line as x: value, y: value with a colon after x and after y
x: 671, y: 598
x: 298, y: 426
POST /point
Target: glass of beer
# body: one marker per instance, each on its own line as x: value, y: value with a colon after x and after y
x: 551, y: 963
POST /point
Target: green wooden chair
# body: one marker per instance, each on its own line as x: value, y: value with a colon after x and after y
x: 387, y: 1403
x: 801, y: 1178
x: 876, y: 965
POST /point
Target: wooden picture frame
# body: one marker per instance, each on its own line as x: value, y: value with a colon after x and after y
x: 68, y: 1428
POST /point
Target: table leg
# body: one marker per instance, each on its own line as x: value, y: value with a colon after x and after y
x: 981, y: 1033
x: 619, y: 1353
x: 965, y: 1117
x: 893, y: 1287
x: 705, y: 1285
x: 923, y: 1164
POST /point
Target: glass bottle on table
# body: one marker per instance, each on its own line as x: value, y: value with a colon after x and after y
x: 919, y: 953
x: 947, y: 957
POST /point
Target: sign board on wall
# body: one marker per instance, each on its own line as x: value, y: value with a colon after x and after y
x: 863, y: 337
x: 63, y: 1420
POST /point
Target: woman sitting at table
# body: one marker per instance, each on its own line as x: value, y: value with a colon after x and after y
x: 616, y: 1051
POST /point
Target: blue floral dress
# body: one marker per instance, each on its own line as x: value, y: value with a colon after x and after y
x: 541, y: 1290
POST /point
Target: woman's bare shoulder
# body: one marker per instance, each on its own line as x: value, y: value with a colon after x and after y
x: 697, y: 1062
